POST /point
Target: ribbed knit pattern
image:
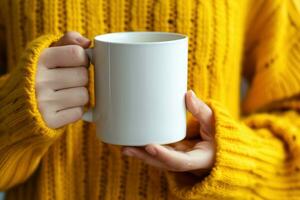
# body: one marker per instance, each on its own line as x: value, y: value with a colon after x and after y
x: 258, y: 154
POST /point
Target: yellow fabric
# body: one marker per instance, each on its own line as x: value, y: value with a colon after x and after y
x: 257, y: 154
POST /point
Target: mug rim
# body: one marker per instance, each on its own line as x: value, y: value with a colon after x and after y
x: 106, y: 38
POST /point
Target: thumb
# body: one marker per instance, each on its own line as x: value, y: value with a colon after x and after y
x: 73, y: 38
x: 202, y: 113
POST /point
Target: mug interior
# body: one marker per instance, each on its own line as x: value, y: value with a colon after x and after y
x: 139, y: 37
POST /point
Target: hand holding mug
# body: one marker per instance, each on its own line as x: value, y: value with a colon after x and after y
x: 61, y: 79
x: 196, y: 156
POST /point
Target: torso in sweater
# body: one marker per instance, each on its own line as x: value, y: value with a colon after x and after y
x: 77, y: 165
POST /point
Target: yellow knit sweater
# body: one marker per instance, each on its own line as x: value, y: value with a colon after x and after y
x: 258, y: 148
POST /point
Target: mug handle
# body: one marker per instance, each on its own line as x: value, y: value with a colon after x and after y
x: 88, y: 115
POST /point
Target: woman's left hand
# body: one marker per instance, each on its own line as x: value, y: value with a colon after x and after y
x: 196, y: 156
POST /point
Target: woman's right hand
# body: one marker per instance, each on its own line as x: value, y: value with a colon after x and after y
x: 61, y: 79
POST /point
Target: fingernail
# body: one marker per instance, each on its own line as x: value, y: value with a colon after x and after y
x: 151, y: 150
x: 193, y: 99
x: 82, y: 40
x: 127, y: 153
x: 193, y: 94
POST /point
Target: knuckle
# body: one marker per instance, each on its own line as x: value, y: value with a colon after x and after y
x: 78, y: 112
x: 84, y: 95
x: 75, y: 51
x: 83, y: 75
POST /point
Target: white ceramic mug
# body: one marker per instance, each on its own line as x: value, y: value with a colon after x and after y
x: 140, y: 86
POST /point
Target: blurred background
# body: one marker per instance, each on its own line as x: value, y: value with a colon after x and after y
x: 1, y: 195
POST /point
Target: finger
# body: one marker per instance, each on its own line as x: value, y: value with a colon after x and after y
x: 63, y: 117
x: 72, y: 97
x: 202, y: 155
x: 74, y: 38
x: 144, y: 156
x: 181, y: 161
x: 201, y: 111
x: 174, y: 160
x: 68, y: 98
x: 62, y: 78
x: 64, y: 56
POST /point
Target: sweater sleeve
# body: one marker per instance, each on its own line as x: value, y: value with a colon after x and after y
x: 258, y: 156
x: 24, y: 137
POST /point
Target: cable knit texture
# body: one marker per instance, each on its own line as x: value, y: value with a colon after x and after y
x: 258, y: 147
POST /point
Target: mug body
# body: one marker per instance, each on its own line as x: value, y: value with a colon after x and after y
x: 140, y: 86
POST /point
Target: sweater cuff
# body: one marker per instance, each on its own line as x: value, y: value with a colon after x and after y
x: 246, y: 159
x: 19, y: 114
